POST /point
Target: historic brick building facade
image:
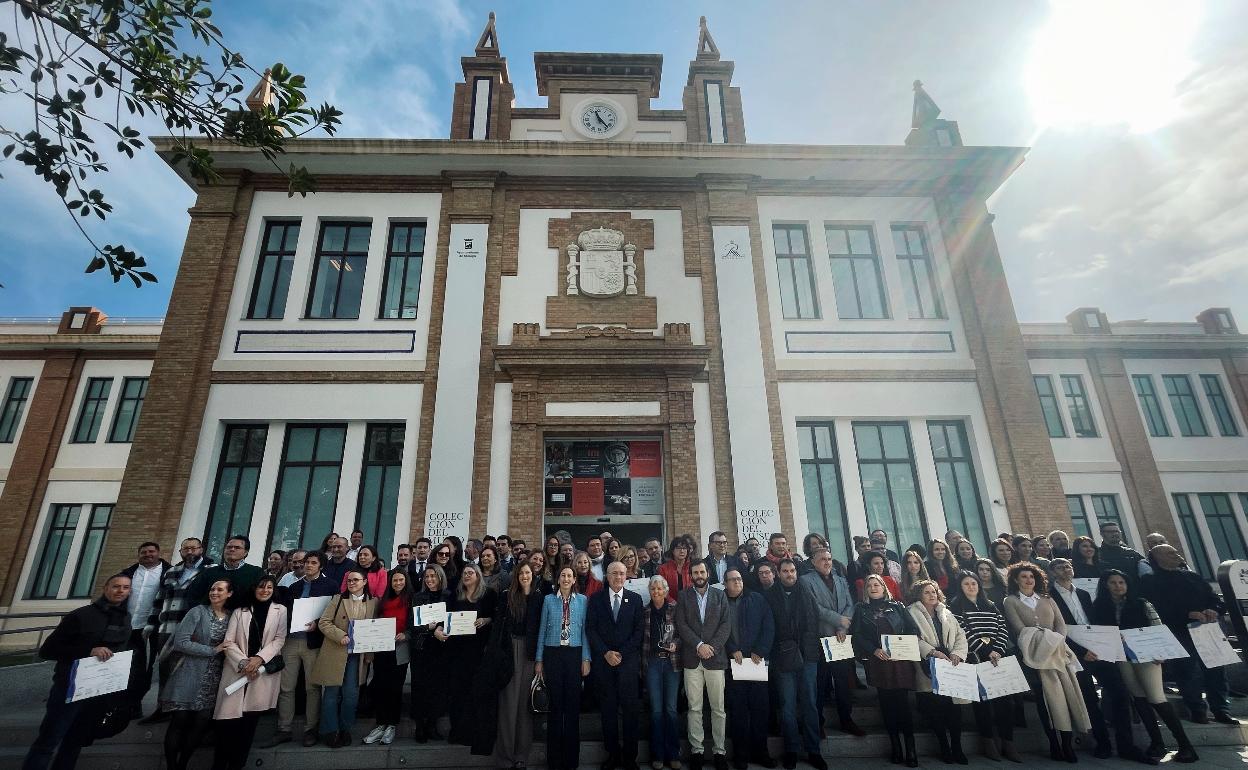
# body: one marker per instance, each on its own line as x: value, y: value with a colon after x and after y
x: 597, y: 314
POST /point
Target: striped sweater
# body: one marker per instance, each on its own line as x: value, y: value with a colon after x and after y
x: 985, y: 632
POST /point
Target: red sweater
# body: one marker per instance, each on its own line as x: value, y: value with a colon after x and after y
x: 671, y: 574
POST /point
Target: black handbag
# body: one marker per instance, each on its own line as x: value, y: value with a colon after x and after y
x: 276, y: 664
x: 539, y: 698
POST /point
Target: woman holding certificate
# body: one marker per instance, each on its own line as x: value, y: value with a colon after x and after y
x: 428, y: 653
x: 987, y: 641
x: 391, y: 665
x: 563, y: 661
x: 337, y: 669
x: 942, y: 637
x: 875, y: 617
x: 464, y: 650
x: 190, y: 690
x: 1115, y: 605
x: 1037, y: 625
x: 249, y: 685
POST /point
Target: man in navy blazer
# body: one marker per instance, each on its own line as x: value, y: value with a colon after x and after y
x: 613, y: 624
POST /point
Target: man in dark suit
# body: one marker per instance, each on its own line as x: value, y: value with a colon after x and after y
x: 703, y: 623
x: 718, y: 561
x: 613, y: 623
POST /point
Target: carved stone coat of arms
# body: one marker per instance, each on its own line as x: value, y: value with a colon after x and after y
x: 600, y: 264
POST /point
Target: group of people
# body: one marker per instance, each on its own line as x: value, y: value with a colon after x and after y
x: 220, y: 638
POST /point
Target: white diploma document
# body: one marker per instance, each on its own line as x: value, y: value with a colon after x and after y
x: 1212, y: 646
x: 1087, y: 584
x: 834, y: 650
x: 460, y: 623
x: 236, y: 685
x: 90, y: 678
x: 1152, y: 643
x: 424, y: 614
x: 1005, y: 678
x: 960, y: 681
x: 376, y: 635
x: 639, y: 586
x: 748, y: 671
x: 305, y: 611
x: 1105, y: 641
x: 901, y: 646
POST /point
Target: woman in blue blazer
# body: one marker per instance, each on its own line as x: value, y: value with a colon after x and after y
x: 562, y: 661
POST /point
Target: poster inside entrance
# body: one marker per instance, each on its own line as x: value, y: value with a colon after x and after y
x: 604, y: 478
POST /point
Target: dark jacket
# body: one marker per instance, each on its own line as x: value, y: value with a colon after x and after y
x: 98, y: 624
x: 494, y: 672
x: 693, y: 630
x: 129, y: 571
x: 1086, y: 601
x: 713, y: 575
x: 335, y: 572
x: 753, y: 628
x: 1123, y: 558
x: 786, y: 612
x: 244, y: 580
x: 865, y: 635
x: 1175, y: 593
x: 650, y: 654
x: 171, y: 603
x: 622, y: 634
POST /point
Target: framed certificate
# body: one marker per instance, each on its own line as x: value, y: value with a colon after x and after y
x: 901, y: 646
x: 1005, y: 678
x: 1152, y: 643
x: 1213, y: 647
x: 424, y: 614
x: 376, y: 635
x: 1105, y: 641
x: 90, y: 677
x: 960, y: 681
x: 305, y: 611
x: 834, y: 650
x: 748, y: 671
x: 461, y: 623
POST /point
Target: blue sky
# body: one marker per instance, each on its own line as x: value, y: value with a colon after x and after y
x: 1133, y: 198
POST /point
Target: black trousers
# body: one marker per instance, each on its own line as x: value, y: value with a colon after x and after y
x: 995, y: 718
x: 748, y: 707
x: 141, y: 666
x: 234, y: 739
x: 183, y: 735
x: 942, y: 714
x: 1114, y: 703
x: 561, y: 668
x: 387, y: 688
x: 895, y: 708
x: 836, y: 676
x: 618, y: 691
x: 430, y: 677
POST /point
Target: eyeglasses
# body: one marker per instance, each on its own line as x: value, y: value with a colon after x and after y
x: 354, y: 580
x: 719, y: 542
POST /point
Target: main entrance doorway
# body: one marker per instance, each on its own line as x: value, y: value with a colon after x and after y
x: 595, y: 483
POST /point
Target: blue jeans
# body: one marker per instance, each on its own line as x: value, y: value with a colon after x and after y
x: 799, y: 709
x: 57, y: 731
x: 1193, y: 679
x: 663, y: 683
x: 338, y: 703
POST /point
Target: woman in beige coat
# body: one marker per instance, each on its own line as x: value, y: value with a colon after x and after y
x: 940, y: 636
x: 337, y: 670
x: 254, y: 637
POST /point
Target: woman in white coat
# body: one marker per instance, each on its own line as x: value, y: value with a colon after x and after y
x: 253, y: 642
x: 940, y: 636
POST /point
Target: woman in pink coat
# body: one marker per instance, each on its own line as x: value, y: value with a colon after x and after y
x: 253, y: 640
x: 374, y: 570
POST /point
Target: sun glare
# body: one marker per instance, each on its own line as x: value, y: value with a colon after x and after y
x: 1107, y: 62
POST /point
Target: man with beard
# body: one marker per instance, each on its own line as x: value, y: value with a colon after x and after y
x: 703, y: 623
x: 751, y: 637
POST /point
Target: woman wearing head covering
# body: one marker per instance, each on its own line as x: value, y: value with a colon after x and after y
x: 253, y: 640
x: 428, y: 654
x: 464, y: 651
x: 987, y: 641
x: 338, y: 670
x: 189, y: 691
x: 1039, y: 632
x: 875, y: 616
x: 1117, y: 605
x: 942, y: 637
x: 391, y: 665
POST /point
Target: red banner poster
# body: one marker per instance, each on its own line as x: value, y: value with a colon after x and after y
x: 644, y: 459
x: 587, y: 497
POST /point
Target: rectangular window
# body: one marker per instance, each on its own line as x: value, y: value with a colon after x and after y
x: 959, y: 488
x: 856, y: 272
x: 1048, y: 405
x: 1105, y: 510
x: 94, y: 400
x: 890, y: 486
x: 133, y: 391
x: 307, y: 485
x: 1222, y: 414
x: 1078, y: 515
x: 1154, y: 417
x: 55, y: 554
x: 92, y: 547
x: 273, y: 267
x: 1077, y: 402
x: 15, y: 399
x: 234, y: 492
x: 405, y: 257
x: 821, y: 482
x: 1195, y: 541
x: 338, y: 270
x: 797, y: 278
x: 918, y: 276
x: 1183, y: 402
x: 379, y: 486
x: 1228, y: 541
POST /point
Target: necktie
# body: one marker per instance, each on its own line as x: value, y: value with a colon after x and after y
x: 615, y: 606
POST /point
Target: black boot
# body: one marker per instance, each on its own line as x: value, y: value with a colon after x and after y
x: 912, y: 759
x: 942, y: 740
x: 1187, y: 754
x: 1156, y: 743
x: 1055, y: 748
x: 1068, y: 747
x: 955, y: 747
x: 894, y: 753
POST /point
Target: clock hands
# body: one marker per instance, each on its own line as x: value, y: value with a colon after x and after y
x: 601, y: 122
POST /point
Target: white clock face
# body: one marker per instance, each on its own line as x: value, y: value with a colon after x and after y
x: 599, y: 119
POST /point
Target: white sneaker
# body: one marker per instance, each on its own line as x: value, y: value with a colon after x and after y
x: 388, y: 736
x: 372, y: 737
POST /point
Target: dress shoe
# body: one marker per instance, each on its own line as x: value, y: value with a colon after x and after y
x: 695, y: 761
x: 851, y: 728
x: 764, y: 761
x: 1200, y: 717
x: 279, y: 737
x: 156, y: 718
x: 310, y: 738
x: 1186, y: 755
x: 1103, y: 751
x: 739, y: 763
x: 1221, y: 717
x: 816, y: 761
x: 721, y: 762
x: 789, y: 760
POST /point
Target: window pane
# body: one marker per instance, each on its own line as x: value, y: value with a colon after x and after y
x: 890, y: 486
x: 959, y: 488
x: 46, y: 581
x: 867, y: 438
x: 1183, y: 402
x: 896, y: 441
x: 843, y: 286
x: 797, y: 281
x: 788, y: 290
x: 15, y: 399
x: 379, y: 489
x: 126, y: 419
x: 94, y: 401
x: 1048, y: 406
x: 1228, y: 541
x: 860, y: 241
x: 234, y: 494
x: 93, y: 546
x: 338, y: 270
x: 1078, y: 515
x: 299, y: 444
x: 273, y: 267
x: 1077, y: 403
x: 1105, y: 509
x: 821, y: 483
x: 303, y: 510
x: 1154, y: 417
x: 870, y: 288
x: 917, y: 275
x: 1196, y: 548
x: 1218, y: 403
